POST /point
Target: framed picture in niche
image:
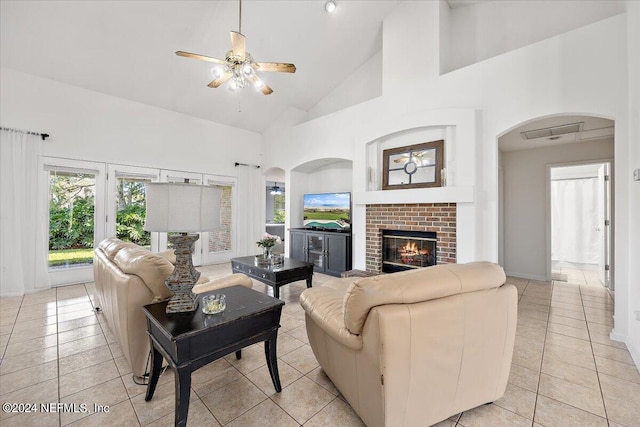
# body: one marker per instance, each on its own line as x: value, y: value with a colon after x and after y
x: 413, y: 166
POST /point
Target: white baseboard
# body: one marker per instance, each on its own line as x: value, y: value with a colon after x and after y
x: 526, y: 276
x: 633, y: 350
x: 617, y: 337
x: 635, y: 353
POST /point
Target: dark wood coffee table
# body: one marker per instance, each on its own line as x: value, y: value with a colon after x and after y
x: 274, y: 275
x: 189, y: 341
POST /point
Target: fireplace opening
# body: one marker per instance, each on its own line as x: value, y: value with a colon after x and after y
x: 405, y: 250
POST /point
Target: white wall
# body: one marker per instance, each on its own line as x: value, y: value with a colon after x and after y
x: 526, y: 204
x: 633, y: 249
x: 363, y: 84
x: 88, y: 125
x: 555, y: 76
x: 486, y: 29
x: 318, y: 177
x: 333, y: 178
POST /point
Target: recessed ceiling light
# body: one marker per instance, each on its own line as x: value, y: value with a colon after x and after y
x: 330, y: 6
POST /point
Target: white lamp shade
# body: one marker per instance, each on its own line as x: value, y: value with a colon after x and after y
x: 182, y: 208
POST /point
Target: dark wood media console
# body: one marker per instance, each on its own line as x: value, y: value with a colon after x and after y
x: 328, y: 251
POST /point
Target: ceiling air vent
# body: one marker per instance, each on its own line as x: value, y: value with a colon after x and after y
x: 552, y: 131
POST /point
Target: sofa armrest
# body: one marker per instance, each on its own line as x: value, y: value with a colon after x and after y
x: 323, y: 304
x: 225, y: 282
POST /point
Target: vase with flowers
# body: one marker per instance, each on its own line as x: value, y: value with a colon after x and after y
x: 267, y: 243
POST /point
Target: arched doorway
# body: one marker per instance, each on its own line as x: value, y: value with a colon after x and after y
x: 548, y: 193
x: 275, y: 199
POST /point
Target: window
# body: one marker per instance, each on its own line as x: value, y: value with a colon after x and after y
x: 278, y: 208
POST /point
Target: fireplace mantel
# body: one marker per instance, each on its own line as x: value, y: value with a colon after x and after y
x: 454, y: 194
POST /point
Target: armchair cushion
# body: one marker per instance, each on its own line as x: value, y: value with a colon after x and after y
x: 415, y: 286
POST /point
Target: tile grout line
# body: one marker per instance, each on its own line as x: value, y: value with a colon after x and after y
x: 604, y: 406
x: 129, y: 398
x: 58, y: 358
x: 15, y: 321
x: 10, y: 335
x: 544, y: 345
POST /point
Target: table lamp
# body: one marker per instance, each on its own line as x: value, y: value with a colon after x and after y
x: 182, y: 208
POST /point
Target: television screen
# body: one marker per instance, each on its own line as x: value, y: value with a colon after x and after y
x: 327, y: 211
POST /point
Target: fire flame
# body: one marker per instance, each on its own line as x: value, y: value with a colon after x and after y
x: 410, y: 248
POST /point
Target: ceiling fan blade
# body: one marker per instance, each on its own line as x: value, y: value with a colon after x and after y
x: 200, y: 57
x: 261, y: 85
x: 238, y: 44
x: 276, y: 66
x: 217, y: 82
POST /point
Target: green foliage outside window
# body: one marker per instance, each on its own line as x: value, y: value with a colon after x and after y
x: 71, y: 226
x: 131, y: 212
x: 71, y: 211
x: 278, y: 208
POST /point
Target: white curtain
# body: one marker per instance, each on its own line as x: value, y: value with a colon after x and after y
x: 23, y: 215
x: 250, y: 210
x: 574, y: 221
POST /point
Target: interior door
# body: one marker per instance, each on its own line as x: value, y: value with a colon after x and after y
x: 604, y: 224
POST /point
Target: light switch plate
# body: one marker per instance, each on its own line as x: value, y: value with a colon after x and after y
x: 636, y: 175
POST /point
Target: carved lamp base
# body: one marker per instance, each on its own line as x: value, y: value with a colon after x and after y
x: 184, y: 275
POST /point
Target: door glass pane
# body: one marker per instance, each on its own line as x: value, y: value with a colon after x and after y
x: 71, y: 219
x: 131, y: 211
x: 314, y: 242
x: 220, y: 240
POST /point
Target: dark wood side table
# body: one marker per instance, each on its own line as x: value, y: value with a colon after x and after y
x: 275, y: 276
x: 189, y: 341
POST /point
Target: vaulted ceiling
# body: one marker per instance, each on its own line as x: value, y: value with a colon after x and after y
x: 127, y: 49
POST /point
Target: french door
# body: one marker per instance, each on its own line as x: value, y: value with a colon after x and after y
x: 126, y: 204
x: 89, y: 201
x: 76, y: 217
x: 219, y: 245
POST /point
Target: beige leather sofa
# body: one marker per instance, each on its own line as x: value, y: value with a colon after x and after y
x: 127, y: 277
x: 415, y: 347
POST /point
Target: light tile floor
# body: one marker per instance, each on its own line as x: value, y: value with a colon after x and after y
x: 54, y: 348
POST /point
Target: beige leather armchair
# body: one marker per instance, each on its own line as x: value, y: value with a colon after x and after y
x: 127, y: 277
x: 413, y: 348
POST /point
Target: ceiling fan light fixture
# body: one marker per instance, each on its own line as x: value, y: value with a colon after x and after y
x: 218, y: 72
x: 276, y: 191
x: 330, y: 6
x: 238, y: 67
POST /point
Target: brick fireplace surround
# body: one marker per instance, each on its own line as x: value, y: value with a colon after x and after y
x: 438, y: 217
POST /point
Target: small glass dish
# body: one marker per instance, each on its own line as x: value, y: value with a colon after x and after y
x: 214, y: 303
x: 277, y: 259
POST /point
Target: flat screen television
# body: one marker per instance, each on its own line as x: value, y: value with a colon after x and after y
x: 327, y: 211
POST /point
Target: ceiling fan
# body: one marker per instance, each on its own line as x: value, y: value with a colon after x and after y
x: 238, y: 66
